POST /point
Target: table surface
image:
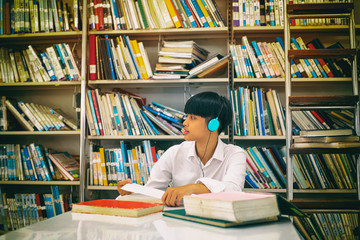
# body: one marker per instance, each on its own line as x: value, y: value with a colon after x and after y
x: 155, y: 226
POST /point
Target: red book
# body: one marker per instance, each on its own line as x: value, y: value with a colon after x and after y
x: 257, y: 174
x: 92, y: 57
x: 96, y: 106
x: 96, y: 13
x: 117, y: 208
x: 320, y: 119
x: 322, y: 62
x: 153, y: 154
x: 101, y: 15
x: 177, y: 14
x: 38, y: 206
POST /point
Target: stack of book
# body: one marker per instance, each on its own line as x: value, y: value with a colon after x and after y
x: 39, y: 16
x: 24, y: 209
x: 56, y: 63
x: 35, y: 163
x: 116, y: 113
x: 257, y: 112
x: 153, y: 14
x: 110, y: 165
x: 214, y: 66
x: 250, y: 13
x: 36, y: 117
x: 119, y: 58
x: 329, y: 138
x: 176, y: 57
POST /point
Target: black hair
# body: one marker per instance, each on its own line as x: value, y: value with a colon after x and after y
x: 210, y: 105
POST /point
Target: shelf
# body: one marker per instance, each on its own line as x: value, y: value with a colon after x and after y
x: 145, y: 137
x: 214, y: 32
x: 341, y: 100
x: 50, y: 183
x: 111, y: 188
x: 319, y: 8
x: 157, y: 83
x: 324, y: 150
x: 70, y: 36
x: 321, y: 53
x: 260, y: 138
x: 39, y: 85
x: 38, y: 133
x: 320, y: 203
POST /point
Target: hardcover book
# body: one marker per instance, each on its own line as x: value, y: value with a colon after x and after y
x: 117, y: 208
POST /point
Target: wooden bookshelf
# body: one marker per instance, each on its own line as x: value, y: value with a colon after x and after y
x: 319, y: 8
x: 341, y: 100
x: 321, y: 53
x: 39, y: 133
x: 49, y: 183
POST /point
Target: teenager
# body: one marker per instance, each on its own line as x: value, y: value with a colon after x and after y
x: 202, y: 163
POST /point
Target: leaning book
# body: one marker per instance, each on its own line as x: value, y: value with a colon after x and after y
x: 117, y: 208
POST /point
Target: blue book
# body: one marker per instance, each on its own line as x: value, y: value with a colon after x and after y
x: 43, y: 164
x: 261, y: 111
x: 262, y: 168
x: 293, y: 40
x: 320, y: 68
x: 120, y: 173
x: 250, y: 181
x: 25, y: 153
x: 116, y: 14
x: 189, y: 14
x: 128, y: 122
x: 61, y: 60
x: 91, y: 103
x: 1, y: 17
x: 49, y: 163
x: 279, y: 40
x: 132, y: 54
x: 131, y: 166
x: 270, y: 158
x: 261, y: 59
x: 110, y: 58
x: 161, y: 114
x: 200, y: 13
x: 207, y: 8
x: 156, y: 132
x: 125, y: 159
x: 48, y: 66
x: 248, y: 63
x: 23, y: 160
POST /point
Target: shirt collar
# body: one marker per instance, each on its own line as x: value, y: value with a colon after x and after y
x: 218, y: 154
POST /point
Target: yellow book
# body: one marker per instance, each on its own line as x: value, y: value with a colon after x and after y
x: 103, y: 167
x: 136, y: 166
x: 125, y: 15
x: 139, y: 59
x: 251, y: 119
x: 173, y: 13
x: 205, y: 12
x: 95, y: 168
x: 342, y: 169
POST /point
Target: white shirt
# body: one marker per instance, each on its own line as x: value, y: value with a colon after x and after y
x: 180, y: 165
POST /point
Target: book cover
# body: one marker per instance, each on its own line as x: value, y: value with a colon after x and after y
x: 117, y: 208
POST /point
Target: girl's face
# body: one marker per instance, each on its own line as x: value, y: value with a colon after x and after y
x: 195, y: 128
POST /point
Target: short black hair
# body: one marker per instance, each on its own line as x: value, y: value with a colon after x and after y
x: 210, y: 105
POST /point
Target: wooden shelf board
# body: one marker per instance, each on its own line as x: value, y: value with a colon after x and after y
x: 50, y: 183
x: 142, y: 137
x: 321, y: 203
x: 41, y: 85
x: 321, y: 80
x: 39, y: 133
x: 260, y: 138
x: 149, y: 83
x: 259, y: 80
x: 324, y: 150
x: 111, y: 188
x: 27, y: 36
x: 340, y: 100
x: 320, y: 8
x: 321, y: 53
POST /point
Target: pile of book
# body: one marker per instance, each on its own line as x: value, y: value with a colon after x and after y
x: 35, y: 163
x: 119, y: 58
x: 110, y: 165
x: 214, y: 66
x: 177, y: 57
x: 24, y: 209
x: 257, y: 112
x: 116, y: 113
x: 258, y: 13
x: 56, y: 63
x: 153, y: 14
x: 323, y: 119
x: 34, y: 117
x: 39, y: 16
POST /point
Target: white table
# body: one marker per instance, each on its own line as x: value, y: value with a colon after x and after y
x: 155, y: 226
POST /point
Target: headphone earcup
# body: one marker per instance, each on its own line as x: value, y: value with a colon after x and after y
x: 213, y: 124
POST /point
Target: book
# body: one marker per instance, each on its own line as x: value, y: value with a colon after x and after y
x: 326, y: 139
x: 326, y: 132
x: 232, y: 206
x: 117, y: 208
x: 327, y: 145
x: 67, y: 165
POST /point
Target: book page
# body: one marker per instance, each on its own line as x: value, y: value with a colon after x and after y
x: 148, y: 191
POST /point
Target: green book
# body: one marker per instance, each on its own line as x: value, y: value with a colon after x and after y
x: 181, y: 214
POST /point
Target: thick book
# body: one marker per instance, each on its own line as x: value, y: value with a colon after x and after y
x: 327, y: 132
x: 328, y: 145
x: 326, y: 139
x: 238, y: 206
x: 117, y: 208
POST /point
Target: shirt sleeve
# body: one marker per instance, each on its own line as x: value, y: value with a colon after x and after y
x: 160, y: 175
x: 234, y: 178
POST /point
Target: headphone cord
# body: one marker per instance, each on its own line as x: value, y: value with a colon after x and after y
x: 202, y: 170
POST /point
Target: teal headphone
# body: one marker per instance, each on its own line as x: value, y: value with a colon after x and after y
x: 214, y: 123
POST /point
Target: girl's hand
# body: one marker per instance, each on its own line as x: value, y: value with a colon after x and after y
x: 120, y: 184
